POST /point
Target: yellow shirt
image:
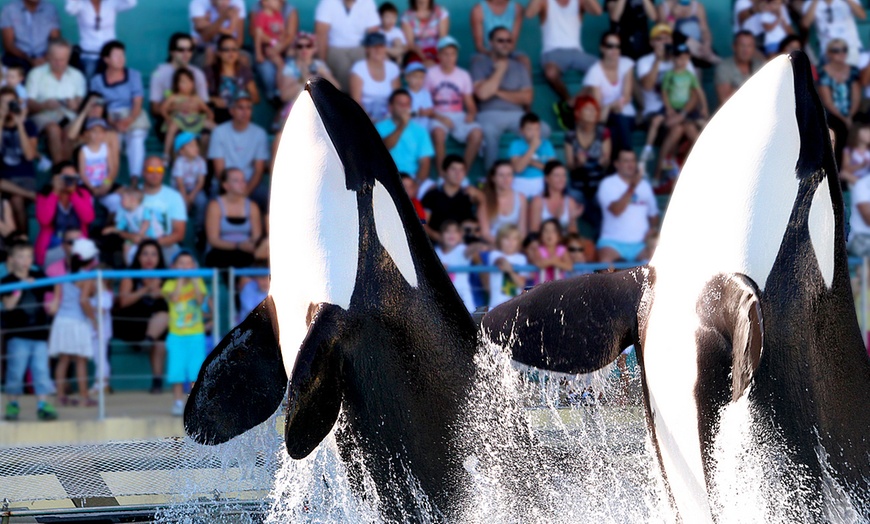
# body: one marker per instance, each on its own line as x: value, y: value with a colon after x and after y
x: 185, y: 313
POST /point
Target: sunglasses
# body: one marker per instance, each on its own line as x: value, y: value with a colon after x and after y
x: 576, y: 250
x: 503, y: 40
x: 154, y: 169
x: 69, y: 242
x: 304, y: 46
x: 184, y: 49
x: 610, y: 45
x: 838, y: 50
x: 229, y: 49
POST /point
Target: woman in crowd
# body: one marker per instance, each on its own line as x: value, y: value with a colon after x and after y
x: 689, y: 18
x: 300, y: 65
x: 424, y: 23
x: 96, y: 22
x: 836, y: 19
x: 840, y: 91
x: 233, y: 224
x: 501, y: 203
x: 17, y: 152
x: 555, y: 203
x: 373, y: 79
x: 93, y: 106
x: 587, y: 156
x: 227, y: 78
x: 63, y: 204
x: 610, y: 82
x: 141, y: 315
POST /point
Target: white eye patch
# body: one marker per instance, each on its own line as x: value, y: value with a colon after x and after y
x: 391, y: 233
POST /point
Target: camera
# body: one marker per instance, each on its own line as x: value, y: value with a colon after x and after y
x: 669, y: 49
x: 14, y: 107
x: 70, y: 180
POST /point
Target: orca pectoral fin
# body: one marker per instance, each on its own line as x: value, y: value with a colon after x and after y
x: 576, y: 325
x: 315, y: 384
x: 241, y: 383
x: 731, y: 327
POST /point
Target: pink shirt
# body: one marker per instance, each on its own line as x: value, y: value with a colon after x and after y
x: 271, y: 25
x: 448, y: 90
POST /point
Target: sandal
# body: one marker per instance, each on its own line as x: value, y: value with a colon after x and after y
x: 89, y: 403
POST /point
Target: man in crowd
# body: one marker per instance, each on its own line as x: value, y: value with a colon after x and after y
x: 55, y: 91
x: 166, y: 208
x: 504, y: 87
x: 732, y: 72
x: 409, y: 144
x: 450, y: 200
x: 208, y: 18
x: 17, y: 153
x: 630, y: 212
x: 339, y: 27
x: 242, y: 144
x: 28, y: 26
x: 180, y: 53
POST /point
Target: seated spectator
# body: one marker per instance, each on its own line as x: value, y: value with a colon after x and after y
x: 562, y: 49
x: 18, y: 148
x: 395, y: 37
x: 453, y: 252
x: 233, y: 225
x: 455, y: 109
x: 409, y: 144
x: 774, y: 24
x: 836, y: 19
x: 185, y: 112
x: 14, y: 78
x: 180, y: 53
x: 241, y: 143
x: 28, y: 27
x: 581, y: 251
x: 164, y: 207
x: 549, y: 253
x: 732, y: 72
x: 267, y: 31
x: 62, y: 205
x: 411, y: 189
x: 504, y: 87
x: 339, y: 30
x: 210, y: 20
x: 501, y: 203
x: 507, y: 283
x: 92, y: 107
x: 859, y: 220
x: 689, y: 18
x: 54, y: 92
x: 528, y: 153
x: 96, y: 23
x: 291, y: 24
x: 450, y: 200
x: 228, y: 78
x: 685, y: 114
x: 422, y: 106
x: 855, y: 163
x: 131, y: 222
x: 299, y: 67
x: 7, y: 224
x: 26, y: 344
x: 611, y: 83
x: 373, y: 79
x: 141, y: 315
x: 425, y: 23
x: 840, y: 92
x: 98, y: 165
x: 489, y: 15
x: 189, y: 172
x: 555, y: 202
x: 630, y: 20
x: 252, y: 293
x: 587, y: 157
x: 123, y: 95
x: 630, y: 212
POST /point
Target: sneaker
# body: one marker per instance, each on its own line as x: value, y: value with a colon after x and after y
x: 646, y: 155
x: 12, y: 411
x: 564, y: 115
x: 46, y: 412
x: 178, y: 408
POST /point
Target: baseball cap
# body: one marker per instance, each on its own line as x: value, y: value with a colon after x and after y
x: 414, y: 66
x: 679, y: 49
x: 373, y: 39
x: 182, y: 139
x: 446, y: 41
x: 660, y: 29
x: 85, y: 249
x: 91, y: 123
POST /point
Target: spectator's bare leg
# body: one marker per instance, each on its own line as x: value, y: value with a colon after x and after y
x: 554, y: 78
x: 439, y: 140
x: 675, y: 134
x: 608, y: 255
x: 171, y: 131
x: 60, y: 377
x: 472, y: 147
x: 156, y: 327
x: 57, y: 143
x: 82, y: 376
x: 18, y: 212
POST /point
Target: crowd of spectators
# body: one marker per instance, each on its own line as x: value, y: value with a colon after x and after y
x: 560, y: 189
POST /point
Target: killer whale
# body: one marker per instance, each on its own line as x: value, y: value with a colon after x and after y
x: 747, y: 298
x: 362, y: 320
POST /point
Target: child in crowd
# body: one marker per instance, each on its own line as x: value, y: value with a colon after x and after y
x: 184, y: 110
x: 189, y: 171
x: 101, y: 302
x: 528, y: 153
x: 396, y: 42
x: 72, y: 331
x: 550, y: 253
x: 185, y: 344
x: 14, y: 78
x: 25, y: 323
x: 411, y: 187
x: 132, y: 221
x: 453, y: 252
x: 684, y: 106
x: 422, y: 107
x: 509, y: 283
x: 856, y: 154
x: 774, y: 21
x: 252, y: 293
x: 581, y: 252
x: 268, y: 27
x: 98, y: 164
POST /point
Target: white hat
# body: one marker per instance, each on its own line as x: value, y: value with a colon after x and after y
x: 85, y: 249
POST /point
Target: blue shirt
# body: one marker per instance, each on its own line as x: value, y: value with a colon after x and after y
x: 163, y: 208
x: 544, y: 154
x: 31, y: 29
x: 119, y: 96
x: 413, y: 145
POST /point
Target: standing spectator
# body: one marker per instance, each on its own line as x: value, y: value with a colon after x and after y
x: 228, y: 78
x: 555, y: 202
x: 508, y: 282
x: 63, y: 205
x: 185, y: 344
x: 233, y: 224
x: 689, y: 18
x: 242, y: 144
x: 840, y: 91
x: 189, y: 172
x: 630, y: 19
x: 455, y: 108
x: 587, y: 157
x: 409, y: 144
x: 54, y: 92
x: 422, y: 106
x: 180, y: 53
x: 268, y: 35
x: 339, y: 27
x: 504, y: 87
x: 164, y: 207
x: 562, y: 49
x: 528, y: 153
x: 488, y: 15
x: 452, y: 251
x: 776, y: 26
x: 123, y: 95
x: 424, y: 24
x: 373, y: 79
x: 141, y: 313
x: 212, y: 19
x: 17, y: 153
x: 26, y: 323
x: 28, y: 27
x: 252, y: 293
x: 101, y: 303
x: 396, y: 42
x: 611, y: 83
x: 550, y: 254
x: 630, y: 212
x: 501, y: 204
x: 836, y: 19
x: 732, y: 72
x: 96, y: 21
x: 450, y: 200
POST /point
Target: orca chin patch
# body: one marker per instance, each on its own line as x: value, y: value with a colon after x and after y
x: 391, y: 233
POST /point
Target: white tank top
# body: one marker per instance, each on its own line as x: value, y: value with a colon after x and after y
x: 564, y: 219
x: 561, y: 29
x: 96, y: 165
x: 512, y: 218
